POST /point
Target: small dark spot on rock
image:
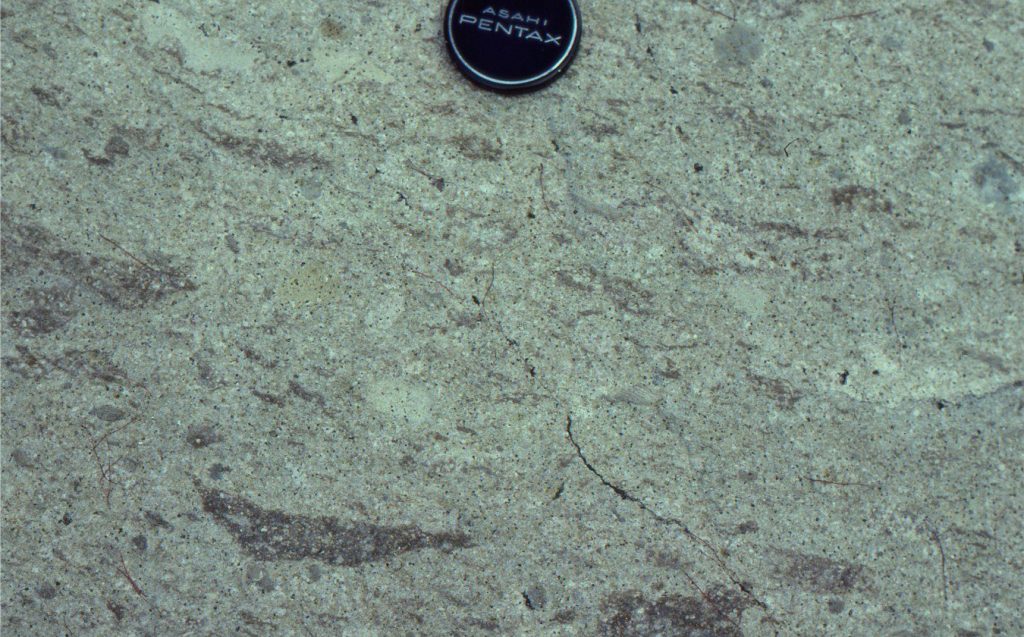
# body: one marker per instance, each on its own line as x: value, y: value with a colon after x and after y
x: 534, y: 597
x: 564, y: 616
x: 217, y: 471
x: 116, y: 609
x: 116, y: 145
x: 202, y: 436
x: 156, y: 520
x: 140, y: 542
x: 836, y: 605
x: 331, y: 29
x: 206, y: 373
x: 46, y: 591
x: 22, y: 459
x: 749, y: 526
x: 698, y: 168
x: 66, y: 520
x: 527, y: 601
x: 453, y: 267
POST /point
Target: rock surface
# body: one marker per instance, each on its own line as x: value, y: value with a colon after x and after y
x: 720, y: 334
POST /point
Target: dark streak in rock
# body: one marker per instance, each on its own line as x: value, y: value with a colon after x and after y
x: 96, y: 160
x: 127, y: 283
x: 262, y: 151
x: 820, y: 574
x: 787, y: 229
x: 716, y: 614
x: 477, y: 148
x: 156, y: 520
x: 851, y: 196
x: 624, y: 293
x: 267, y: 534
x: 268, y: 398
x: 108, y: 413
x: 49, y: 97
x: 93, y: 364
x: 50, y: 309
x: 780, y: 391
x: 307, y: 395
x: 830, y: 233
x: 116, y: 609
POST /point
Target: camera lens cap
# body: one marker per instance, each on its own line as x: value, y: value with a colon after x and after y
x: 512, y: 45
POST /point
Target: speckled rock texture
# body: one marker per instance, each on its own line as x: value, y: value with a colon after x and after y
x: 722, y: 334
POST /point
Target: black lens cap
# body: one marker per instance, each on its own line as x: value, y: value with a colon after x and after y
x: 512, y: 45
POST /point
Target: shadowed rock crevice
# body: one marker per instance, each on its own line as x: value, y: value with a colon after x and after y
x: 269, y: 535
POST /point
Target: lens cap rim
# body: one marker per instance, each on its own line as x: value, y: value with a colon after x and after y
x: 532, y: 83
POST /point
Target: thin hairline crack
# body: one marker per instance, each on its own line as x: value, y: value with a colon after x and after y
x: 705, y: 546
